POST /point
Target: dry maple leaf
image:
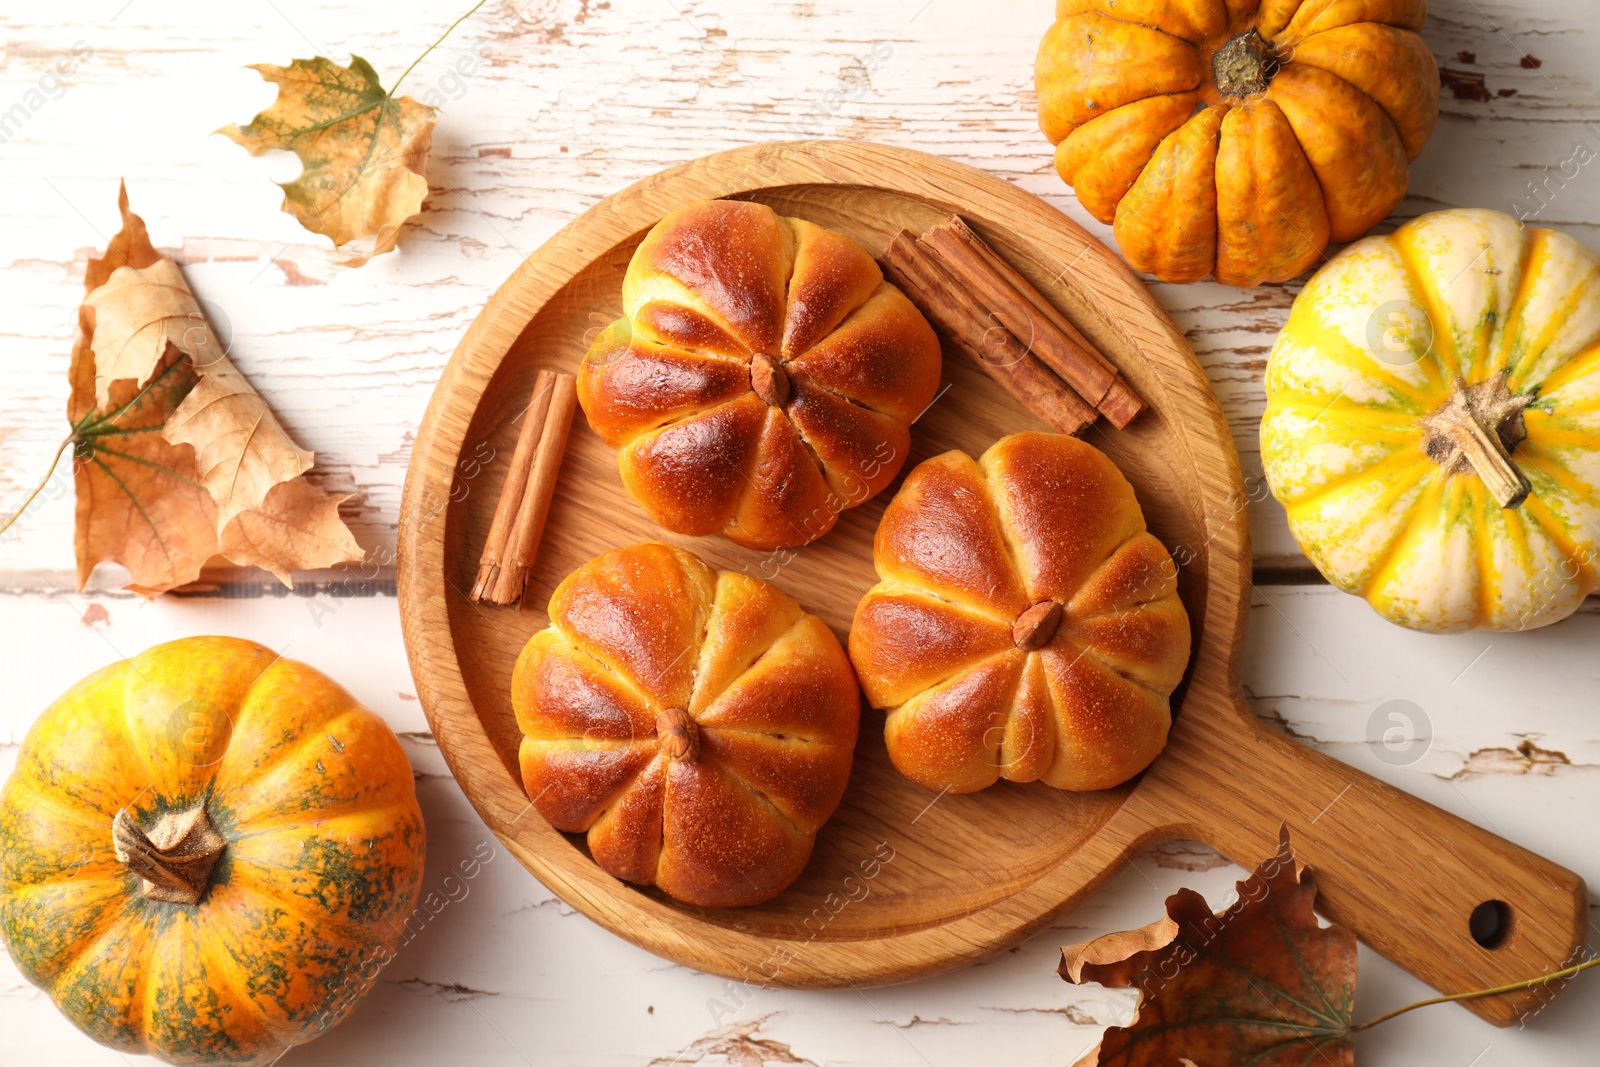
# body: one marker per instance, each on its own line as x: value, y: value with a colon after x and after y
x: 138, y: 312
x: 1259, y: 984
x: 363, y: 150
x: 241, y: 451
x: 138, y: 316
x: 297, y: 526
x: 137, y: 501
x: 176, y: 458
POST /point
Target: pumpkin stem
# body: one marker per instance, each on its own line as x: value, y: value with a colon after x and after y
x: 175, y: 859
x: 1475, y: 430
x: 1244, y: 65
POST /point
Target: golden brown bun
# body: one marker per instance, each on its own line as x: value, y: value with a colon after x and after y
x: 967, y: 547
x: 713, y: 289
x: 769, y: 694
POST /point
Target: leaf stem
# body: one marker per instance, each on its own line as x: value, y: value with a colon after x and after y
x: 54, y: 462
x: 1528, y: 983
x: 92, y: 422
x: 452, y: 28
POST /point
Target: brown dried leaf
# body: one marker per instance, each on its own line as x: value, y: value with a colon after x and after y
x: 1260, y: 983
x: 297, y: 527
x: 176, y: 459
x: 137, y: 501
x: 241, y: 450
x: 142, y: 312
x: 138, y: 313
x: 128, y: 247
x: 364, y: 151
x: 1110, y: 949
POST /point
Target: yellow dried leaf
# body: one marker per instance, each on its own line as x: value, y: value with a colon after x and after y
x: 364, y: 151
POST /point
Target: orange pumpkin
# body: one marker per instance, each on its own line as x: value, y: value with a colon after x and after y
x: 207, y: 852
x: 1236, y: 137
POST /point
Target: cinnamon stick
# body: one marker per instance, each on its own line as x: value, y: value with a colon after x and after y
x: 1032, y: 318
x: 957, y: 313
x: 523, y: 548
x: 1120, y: 404
x: 505, y: 511
x: 534, y: 473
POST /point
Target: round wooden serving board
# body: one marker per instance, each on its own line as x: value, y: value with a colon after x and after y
x: 905, y: 883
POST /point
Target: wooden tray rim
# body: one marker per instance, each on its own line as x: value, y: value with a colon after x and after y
x: 644, y: 920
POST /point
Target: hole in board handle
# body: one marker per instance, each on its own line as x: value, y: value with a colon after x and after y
x: 1490, y: 924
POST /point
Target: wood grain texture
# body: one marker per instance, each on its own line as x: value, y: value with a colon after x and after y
x: 572, y: 100
x: 502, y: 970
x: 575, y: 99
x: 971, y: 874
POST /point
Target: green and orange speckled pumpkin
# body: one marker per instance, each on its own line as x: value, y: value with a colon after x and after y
x: 206, y: 852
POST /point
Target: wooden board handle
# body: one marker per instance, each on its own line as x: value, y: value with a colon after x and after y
x: 1404, y: 875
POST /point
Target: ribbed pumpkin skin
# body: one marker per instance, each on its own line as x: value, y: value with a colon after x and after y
x: 1354, y: 373
x: 1199, y: 176
x: 323, y: 860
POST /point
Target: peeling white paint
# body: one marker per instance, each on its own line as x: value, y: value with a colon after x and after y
x: 580, y: 98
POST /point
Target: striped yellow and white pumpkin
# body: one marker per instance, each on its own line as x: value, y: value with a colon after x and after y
x: 1433, y: 422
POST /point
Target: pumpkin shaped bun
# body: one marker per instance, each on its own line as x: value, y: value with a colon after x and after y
x: 763, y: 377
x: 1025, y: 625
x: 696, y: 724
x: 207, y: 852
x: 1236, y: 137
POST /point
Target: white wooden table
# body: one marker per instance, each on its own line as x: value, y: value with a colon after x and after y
x: 572, y: 100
